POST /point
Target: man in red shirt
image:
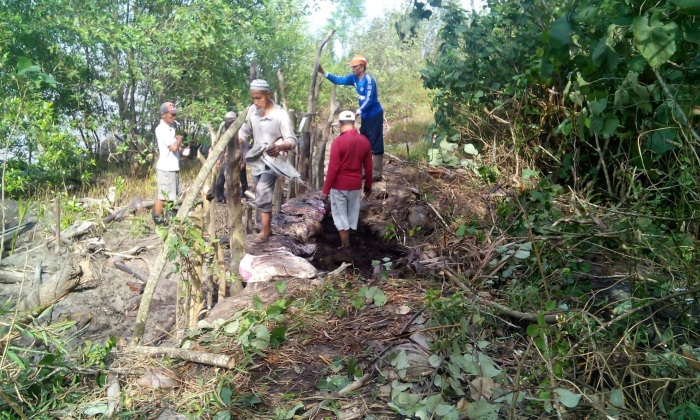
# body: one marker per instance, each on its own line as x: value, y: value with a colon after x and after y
x: 350, y: 154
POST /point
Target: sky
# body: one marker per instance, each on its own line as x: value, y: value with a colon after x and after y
x: 374, y: 9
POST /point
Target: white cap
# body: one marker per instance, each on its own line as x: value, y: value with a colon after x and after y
x: 346, y: 116
x: 260, y: 84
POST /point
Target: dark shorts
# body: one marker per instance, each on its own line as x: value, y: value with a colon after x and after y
x: 373, y: 129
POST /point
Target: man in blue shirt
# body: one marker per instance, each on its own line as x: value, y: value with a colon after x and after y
x: 370, y: 109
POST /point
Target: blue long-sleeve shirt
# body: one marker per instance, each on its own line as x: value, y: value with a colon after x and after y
x: 367, y: 94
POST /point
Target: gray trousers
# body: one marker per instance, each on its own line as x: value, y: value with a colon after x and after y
x: 264, y: 188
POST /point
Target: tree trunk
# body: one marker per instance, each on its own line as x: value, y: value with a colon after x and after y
x: 159, y: 264
x: 283, y: 89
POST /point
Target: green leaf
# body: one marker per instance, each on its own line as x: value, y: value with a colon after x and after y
x: 597, y: 107
x: 333, y: 383
x: 560, y: 33
x: 278, y: 334
x: 523, y: 251
x: 380, y: 299
x: 232, y: 327
x: 488, y: 368
x: 262, y: 338
x: 529, y: 173
x: 24, y: 66
x: 225, y: 394
x: 568, y: 398
x: 292, y: 412
x: 399, y: 360
x: 461, y: 230
x: 96, y: 409
x: 222, y: 415
x: 533, y: 330
x: 691, y: 7
x: 659, y: 141
x: 610, y: 126
x: 13, y: 356
x: 470, y: 150
x: 400, y: 386
x: 654, y: 39
x: 281, y: 286
x: 483, y: 410
x: 257, y: 303
x: 616, y: 398
x: 435, y: 360
x: 447, y: 411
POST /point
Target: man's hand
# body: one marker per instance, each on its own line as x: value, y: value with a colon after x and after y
x: 275, y: 150
x: 324, y: 198
x: 366, y: 194
x: 320, y: 68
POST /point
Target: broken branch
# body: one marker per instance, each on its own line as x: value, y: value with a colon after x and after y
x: 211, y: 359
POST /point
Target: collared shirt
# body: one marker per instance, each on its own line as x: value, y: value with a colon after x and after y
x: 366, y: 88
x: 265, y: 130
x: 167, y: 159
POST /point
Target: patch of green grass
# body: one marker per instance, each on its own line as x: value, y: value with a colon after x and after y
x: 415, y: 152
x: 411, y: 131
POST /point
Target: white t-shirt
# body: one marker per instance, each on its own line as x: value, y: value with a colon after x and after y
x: 167, y: 159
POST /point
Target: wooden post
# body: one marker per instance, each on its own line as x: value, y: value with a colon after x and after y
x: 321, y: 144
x: 293, y: 158
x: 235, y: 213
x: 188, y: 202
x: 311, y: 112
x: 58, y: 224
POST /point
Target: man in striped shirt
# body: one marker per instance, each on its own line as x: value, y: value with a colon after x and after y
x: 370, y: 109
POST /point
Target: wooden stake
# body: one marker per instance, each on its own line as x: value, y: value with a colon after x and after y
x: 58, y: 225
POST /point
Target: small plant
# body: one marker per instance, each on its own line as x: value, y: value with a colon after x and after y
x: 366, y: 296
x: 389, y: 232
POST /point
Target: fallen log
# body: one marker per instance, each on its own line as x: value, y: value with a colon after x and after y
x: 60, y: 284
x: 132, y: 207
x: 8, y: 275
x: 211, y: 359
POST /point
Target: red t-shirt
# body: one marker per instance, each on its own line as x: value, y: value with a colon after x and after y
x: 350, y: 152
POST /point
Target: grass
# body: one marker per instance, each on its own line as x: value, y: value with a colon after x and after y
x: 413, y: 152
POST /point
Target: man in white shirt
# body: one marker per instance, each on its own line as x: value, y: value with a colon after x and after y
x: 272, y: 132
x: 168, y: 165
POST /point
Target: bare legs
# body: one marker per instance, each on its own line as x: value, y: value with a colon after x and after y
x: 344, y: 239
x: 266, y: 231
x: 158, y: 208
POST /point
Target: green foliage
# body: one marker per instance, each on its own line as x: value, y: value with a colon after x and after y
x: 77, y: 77
x: 574, y: 87
x: 255, y: 330
x: 37, y: 380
